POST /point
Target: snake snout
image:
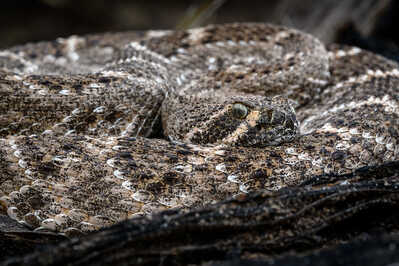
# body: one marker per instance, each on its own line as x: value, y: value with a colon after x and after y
x: 274, y: 127
x: 276, y: 118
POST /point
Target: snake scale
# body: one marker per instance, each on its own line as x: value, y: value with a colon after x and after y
x: 101, y: 128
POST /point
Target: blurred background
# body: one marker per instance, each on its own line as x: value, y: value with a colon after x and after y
x: 370, y: 24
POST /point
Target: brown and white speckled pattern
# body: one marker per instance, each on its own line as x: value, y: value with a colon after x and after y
x: 80, y: 120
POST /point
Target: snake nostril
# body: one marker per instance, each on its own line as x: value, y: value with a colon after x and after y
x: 277, y: 118
x: 289, y: 123
x: 269, y: 114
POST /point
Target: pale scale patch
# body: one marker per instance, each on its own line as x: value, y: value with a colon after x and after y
x: 343, y: 53
x: 128, y: 185
x: 174, y: 59
x: 291, y: 151
x: 71, y: 45
x: 99, y: 110
x: 117, y: 74
x: 221, y: 44
x: 70, y: 132
x: 231, y: 43
x: 288, y: 56
x: 238, y: 69
x: 244, y: 188
x: 233, y: 179
x: 195, y: 35
x: 157, y: 33
x: 317, y: 81
x: 119, y: 174
x: 76, y: 111
x: 281, y: 35
x: 142, y: 196
x: 64, y: 92
x: 211, y: 64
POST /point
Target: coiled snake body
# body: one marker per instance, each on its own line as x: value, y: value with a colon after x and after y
x: 103, y: 128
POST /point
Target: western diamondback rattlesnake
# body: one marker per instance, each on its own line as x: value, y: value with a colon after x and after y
x: 81, y: 118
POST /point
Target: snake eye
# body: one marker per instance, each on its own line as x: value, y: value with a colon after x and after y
x: 240, y: 111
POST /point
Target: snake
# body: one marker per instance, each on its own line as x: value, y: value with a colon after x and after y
x: 101, y: 128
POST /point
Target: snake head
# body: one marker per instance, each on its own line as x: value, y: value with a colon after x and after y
x: 250, y: 121
x: 260, y: 122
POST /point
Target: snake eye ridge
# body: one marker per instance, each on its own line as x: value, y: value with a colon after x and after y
x: 240, y: 111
